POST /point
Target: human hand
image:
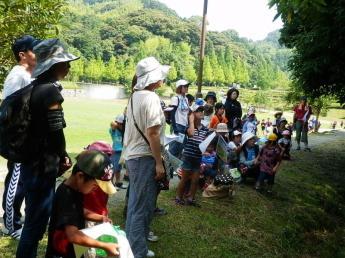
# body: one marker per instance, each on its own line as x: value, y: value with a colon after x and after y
x: 160, y: 171
x: 111, y: 249
x: 107, y: 219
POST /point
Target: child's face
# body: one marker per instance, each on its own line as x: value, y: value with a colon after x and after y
x: 85, y: 187
x: 237, y: 138
x: 220, y: 111
x: 250, y: 143
x: 210, y: 148
x: 199, y: 114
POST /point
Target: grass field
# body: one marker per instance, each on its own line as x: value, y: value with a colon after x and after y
x: 305, y: 217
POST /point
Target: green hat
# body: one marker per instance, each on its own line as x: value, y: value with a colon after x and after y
x: 98, y: 165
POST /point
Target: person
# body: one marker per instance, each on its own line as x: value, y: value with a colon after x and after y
x: 93, y: 169
x: 218, y: 117
x: 179, y: 115
x: 18, y: 77
x: 334, y: 124
x: 233, y: 110
x: 263, y: 125
x: 302, y: 112
x: 280, y: 128
x: 116, y: 132
x: 190, y: 98
x: 285, y: 144
x: 208, y: 166
x: 143, y: 160
x: 208, y: 113
x: 341, y: 124
x: 211, y: 98
x: 277, y: 117
x: 48, y: 157
x: 248, y: 164
x: 191, y: 156
x: 269, y: 159
x: 250, y: 124
x: 235, y: 148
x: 268, y: 127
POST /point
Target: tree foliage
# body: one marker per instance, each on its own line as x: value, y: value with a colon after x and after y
x: 315, y: 30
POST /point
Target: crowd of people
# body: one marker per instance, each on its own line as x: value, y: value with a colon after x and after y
x: 211, y: 139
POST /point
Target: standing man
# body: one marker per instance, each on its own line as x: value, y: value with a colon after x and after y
x: 48, y: 157
x: 302, y: 113
x: 19, y: 77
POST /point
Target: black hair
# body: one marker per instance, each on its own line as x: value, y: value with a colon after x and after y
x: 208, y: 110
x: 228, y: 94
x: 87, y: 177
x: 218, y: 106
x: 190, y: 97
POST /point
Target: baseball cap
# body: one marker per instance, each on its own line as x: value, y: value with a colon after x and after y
x: 101, y: 146
x: 24, y: 43
x: 98, y: 165
x: 120, y: 118
x: 236, y: 132
x: 199, y: 103
x: 182, y: 82
x: 272, y: 137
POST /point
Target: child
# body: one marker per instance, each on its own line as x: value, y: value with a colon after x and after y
x: 251, y: 123
x: 208, y: 112
x: 248, y: 164
x: 191, y: 157
x: 269, y: 158
x: 95, y: 202
x: 235, y: 148
x: 116, y: 132
x: 285, y: 144
x: 93, y: 168
x: 208, y: 165
x: 218, y: 116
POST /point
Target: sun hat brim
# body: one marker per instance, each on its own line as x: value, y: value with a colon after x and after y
x: 158, y: 74
x: 44, y: 66
x: 106, y: 186
x: 246, y: 137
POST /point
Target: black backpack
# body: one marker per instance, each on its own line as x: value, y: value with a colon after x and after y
x: 168, y: 114
x: 15, y: 121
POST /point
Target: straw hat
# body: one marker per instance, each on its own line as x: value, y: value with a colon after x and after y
x: 222, y: 128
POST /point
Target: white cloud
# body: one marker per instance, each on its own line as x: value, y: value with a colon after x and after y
x: 250, y: 18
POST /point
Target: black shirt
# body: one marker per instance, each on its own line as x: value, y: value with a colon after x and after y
x: 233, y: 110
x: 67, y: 210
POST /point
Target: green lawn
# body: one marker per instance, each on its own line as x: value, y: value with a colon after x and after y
x: 304, y: 218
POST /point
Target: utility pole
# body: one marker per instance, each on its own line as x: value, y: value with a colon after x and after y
x: 202, y: 49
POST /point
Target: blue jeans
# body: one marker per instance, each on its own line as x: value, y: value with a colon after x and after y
x: 39, y: 192
x: 141, y: 203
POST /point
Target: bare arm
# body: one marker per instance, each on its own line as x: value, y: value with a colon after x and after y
x: 75, y: 236
x: 89, y: 215
x: 191, y: 128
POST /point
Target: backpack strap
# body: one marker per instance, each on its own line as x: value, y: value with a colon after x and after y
x: 136, y: 125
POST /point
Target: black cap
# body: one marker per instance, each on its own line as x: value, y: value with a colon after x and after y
x: 24, y: 44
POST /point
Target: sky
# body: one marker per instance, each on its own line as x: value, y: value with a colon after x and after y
x: 250, y: 18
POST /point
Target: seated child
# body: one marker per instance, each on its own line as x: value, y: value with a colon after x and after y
x: 234, y: 148
x: 208, y: 167
x: 269, y: 158
x: 250, y: 123
x: 248, y: 164
x: 218, y: 117
x: 93, y: 168
x: 285, y: 144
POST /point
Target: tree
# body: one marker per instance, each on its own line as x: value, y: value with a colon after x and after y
x: 315, y: 30
x: 208, y: 71
x: 189, y: 72
x: 112, y: 72
x: 172, y: 75
x: 20, y: 17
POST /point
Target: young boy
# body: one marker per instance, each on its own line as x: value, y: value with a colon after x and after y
x: 68, y: 217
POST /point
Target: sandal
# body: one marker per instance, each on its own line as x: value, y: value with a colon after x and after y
x: 178, y: 201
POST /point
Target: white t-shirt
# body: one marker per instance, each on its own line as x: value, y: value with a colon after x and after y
x: 147, y: 113
x: 17, y: 78
x: 181, y: 115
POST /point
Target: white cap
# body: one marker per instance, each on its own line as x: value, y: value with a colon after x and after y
x: 182, y: 82
x: 149, y: 71
x: 120, y: 118
x: 236, y: 132
x: 247, y: 136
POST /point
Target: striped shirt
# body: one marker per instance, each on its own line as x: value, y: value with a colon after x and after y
x: 191, y: 149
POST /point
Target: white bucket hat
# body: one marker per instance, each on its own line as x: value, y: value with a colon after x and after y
x: 48, y: 53
x: 247, y: 136
x: 149, y: 71
x: 182, y: 82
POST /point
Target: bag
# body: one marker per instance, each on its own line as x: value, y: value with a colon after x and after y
x: 15, y: 123
x: 162, y: 184
x: 169, y: 113
x: 223, y: 180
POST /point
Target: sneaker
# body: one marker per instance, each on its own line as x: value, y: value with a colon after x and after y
x: 150, y: 253
x: 15, y: 234
x: 151, y: 237
x: 193, y: 203
x: 160, y: 212
x: 307, y: 149
x: 120, y: 185
x: 178, y: 201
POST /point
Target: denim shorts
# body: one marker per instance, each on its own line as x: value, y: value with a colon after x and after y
x: 191, y: 164
x: 115, y: 158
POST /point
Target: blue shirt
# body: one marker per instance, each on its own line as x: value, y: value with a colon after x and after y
x: 251, y: 154
x: 116, y: 137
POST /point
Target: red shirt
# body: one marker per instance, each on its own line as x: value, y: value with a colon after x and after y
x: 301, y: 110
x: 96, y: 201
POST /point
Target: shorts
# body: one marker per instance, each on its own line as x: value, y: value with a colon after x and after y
x: 191, y: 164
x: 115, y: 158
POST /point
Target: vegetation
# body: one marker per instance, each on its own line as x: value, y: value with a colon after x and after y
x: 315, y: 30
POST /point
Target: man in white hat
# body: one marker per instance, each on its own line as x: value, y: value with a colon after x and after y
x: 179, y: 115
x: 18, y: 77
x: 48, y: 156
x: 144, y: 136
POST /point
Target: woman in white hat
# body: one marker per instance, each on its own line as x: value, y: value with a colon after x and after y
x: 179, y: 115
x: 142, y: 141
x: 48, y: 156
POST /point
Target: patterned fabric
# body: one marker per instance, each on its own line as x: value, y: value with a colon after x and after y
x: 192, y: 146
x: 269, y: 157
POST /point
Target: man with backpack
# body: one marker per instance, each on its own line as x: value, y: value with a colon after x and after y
x: 18, y: 77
